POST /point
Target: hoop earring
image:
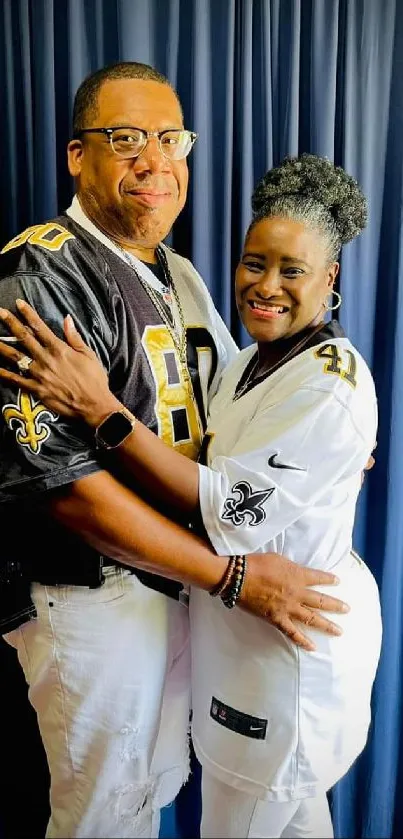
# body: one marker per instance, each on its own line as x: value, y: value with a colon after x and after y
x: 328, y: 308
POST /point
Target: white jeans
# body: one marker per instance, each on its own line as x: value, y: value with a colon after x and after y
x: 98, y: 663
x: 228, y: 812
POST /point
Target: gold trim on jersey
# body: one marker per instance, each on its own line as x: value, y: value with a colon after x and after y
x: 172, y: 397
x: 36, y: 236
x: 334, y: 365
x: 27, y: 415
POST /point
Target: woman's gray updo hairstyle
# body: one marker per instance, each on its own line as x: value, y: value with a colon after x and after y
x: 314, y: 191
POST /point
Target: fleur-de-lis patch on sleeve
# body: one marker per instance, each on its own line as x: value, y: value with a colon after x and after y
x: 247, y: 508
x: 27, y: 419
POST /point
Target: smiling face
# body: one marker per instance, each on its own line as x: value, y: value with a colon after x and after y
x: 135, y: 201
x: 283, y: 279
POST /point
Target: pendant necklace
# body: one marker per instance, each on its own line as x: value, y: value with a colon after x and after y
x: 163, y: 303
x: 253, y: 377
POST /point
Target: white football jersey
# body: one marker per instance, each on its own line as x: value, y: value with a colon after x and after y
x: 284, y: 471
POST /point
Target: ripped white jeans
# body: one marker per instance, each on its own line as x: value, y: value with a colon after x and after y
x: 108, y: 675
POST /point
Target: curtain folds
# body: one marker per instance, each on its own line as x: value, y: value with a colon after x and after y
x: 258, y: 79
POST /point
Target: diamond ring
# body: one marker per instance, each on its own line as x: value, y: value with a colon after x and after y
x: 24, y: 363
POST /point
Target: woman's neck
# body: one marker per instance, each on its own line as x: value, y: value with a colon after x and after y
x: 272, y: 352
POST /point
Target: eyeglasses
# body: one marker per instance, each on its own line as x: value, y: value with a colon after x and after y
x: 174, y: 143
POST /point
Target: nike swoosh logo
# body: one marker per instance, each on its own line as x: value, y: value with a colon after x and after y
x: 256, y: 728
x: 275, y: 464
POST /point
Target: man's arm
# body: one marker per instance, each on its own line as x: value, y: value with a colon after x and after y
x: 116, y: 522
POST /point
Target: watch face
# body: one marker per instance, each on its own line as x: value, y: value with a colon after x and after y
x: 114, y: 429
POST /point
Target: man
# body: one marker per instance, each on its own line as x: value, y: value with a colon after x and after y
x: 103, y: 648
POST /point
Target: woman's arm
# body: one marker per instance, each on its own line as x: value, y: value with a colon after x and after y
x: 70, y: 380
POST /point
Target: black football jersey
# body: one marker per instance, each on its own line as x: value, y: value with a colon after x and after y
x: 60, y: 269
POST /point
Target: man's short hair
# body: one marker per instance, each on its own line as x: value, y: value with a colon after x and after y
x: 86, y: 99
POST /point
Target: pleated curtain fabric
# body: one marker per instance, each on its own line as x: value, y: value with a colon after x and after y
x: 258, y: 79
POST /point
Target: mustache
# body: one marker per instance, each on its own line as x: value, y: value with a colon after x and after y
x: 154, y: 186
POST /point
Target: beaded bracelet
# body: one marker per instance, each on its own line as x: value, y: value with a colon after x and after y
x: 231, y: 594
x: 224, y: 582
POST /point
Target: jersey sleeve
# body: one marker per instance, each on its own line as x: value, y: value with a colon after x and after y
x: 284, y: 463
x: 40, y: 450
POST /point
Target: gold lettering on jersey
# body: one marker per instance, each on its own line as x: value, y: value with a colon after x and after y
x: 27, y: 416
x: 175, y: 406
x: 334, y: 364
x: 50, y: 236
x: 41, y: 234
x: 20, y: 239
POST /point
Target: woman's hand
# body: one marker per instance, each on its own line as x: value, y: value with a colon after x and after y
x: 66, y: 375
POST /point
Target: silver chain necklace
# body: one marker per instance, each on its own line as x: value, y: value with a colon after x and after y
x: 254, y: 377
x: 178, y: 335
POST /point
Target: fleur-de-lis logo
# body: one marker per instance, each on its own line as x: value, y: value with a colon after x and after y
x: 247, y: 508
x: 27, y: 416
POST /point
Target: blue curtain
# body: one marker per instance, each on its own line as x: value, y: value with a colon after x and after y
x: 258, y: 79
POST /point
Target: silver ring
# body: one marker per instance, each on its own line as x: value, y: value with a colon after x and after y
x: 24, y: 363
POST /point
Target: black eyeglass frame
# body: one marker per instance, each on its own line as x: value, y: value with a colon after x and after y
x: 146, y: 134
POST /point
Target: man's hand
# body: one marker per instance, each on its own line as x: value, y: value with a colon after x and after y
x: 280, y: 591
x: 369, y: 464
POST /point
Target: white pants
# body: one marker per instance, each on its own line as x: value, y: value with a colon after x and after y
x: 228, y: 812
x: 98, y: 663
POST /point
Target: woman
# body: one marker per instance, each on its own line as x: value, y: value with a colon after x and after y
x: 290, y: 431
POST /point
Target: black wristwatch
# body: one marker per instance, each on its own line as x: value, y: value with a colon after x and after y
x: 114, y: 429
